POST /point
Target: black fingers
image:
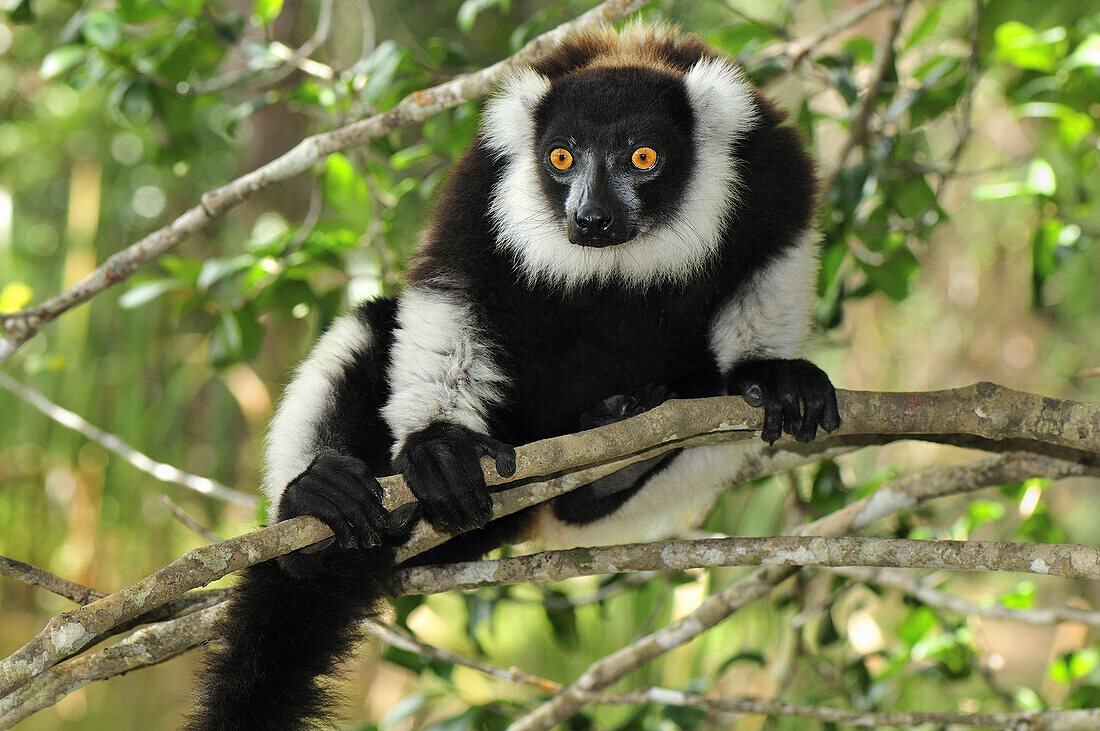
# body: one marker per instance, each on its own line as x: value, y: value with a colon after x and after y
x: 796, y: 396
x: 442, y: 466
x: 341, y: 492
x: 624, y: 406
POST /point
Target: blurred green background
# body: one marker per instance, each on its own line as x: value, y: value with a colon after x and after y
x: 960, y: 244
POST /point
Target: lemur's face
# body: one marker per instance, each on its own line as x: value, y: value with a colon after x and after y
x: 619, y: 173
x: 614, y: 150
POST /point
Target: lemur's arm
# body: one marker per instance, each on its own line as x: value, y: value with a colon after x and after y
x: 444, y: 382
x: 758, y: 337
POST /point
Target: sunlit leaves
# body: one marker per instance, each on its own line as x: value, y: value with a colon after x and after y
x: 265, y: 11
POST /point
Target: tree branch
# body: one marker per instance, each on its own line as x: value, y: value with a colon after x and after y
x: 902, y: 494
x: 986, y: 410
x: 115, y: 445
x: 1031, y: 720
x: 148, y: 646
x: 884, y: 61
x: 924, y: 593
x: 51, y: 582
x: 19, y: 327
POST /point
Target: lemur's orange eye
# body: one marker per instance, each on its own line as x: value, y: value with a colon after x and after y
x: 561, y: 158
x: 644, y: 158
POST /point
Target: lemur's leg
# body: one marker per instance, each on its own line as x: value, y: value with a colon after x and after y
x: 646, y: 501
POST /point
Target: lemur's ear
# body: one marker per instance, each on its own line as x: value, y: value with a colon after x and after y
x: 508, y: 124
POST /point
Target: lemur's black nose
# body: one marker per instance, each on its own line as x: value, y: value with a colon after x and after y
x: 594, y: 218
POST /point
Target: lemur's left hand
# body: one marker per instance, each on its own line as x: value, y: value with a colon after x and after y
x: 796, y: 395
x: 442, y: 466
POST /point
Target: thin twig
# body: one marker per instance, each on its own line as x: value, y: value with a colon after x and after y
x: 181, y: 515
x: 935, y: 598
x: 1031, y: 720
x: 884, y: 61
x: 396, y: 638
x: 27, y: 574
x: 799, y: 50
x: 115, y: 445
x: 273, y: 74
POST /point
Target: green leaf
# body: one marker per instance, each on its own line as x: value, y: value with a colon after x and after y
x: 1086, y: 55
x: 102, y: 29
x: 403, y: 709
x: 236, y: 336
x: 926, y: 26
x: 61, y: 60
x: 410, y: 156
x: 15, y: 296
x: 750, y: 656
x: 564, y: 623
x: 1074, y: 665
x: 380, y: 69
x: 218, y: 270
x: 345, y: 190
x: 1022, y: 46
x: 917, y: 624
x: 1040, y: 178
x: 1022, y: 597
x: 894, y: 275
x: 470, y: 9
x: 914, y: 199
x: 226, y: 342
x: 22, y: 12
x: 265, y: 11
x: 146, y: 292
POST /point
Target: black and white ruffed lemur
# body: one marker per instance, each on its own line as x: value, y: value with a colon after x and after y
x: 632, y: 221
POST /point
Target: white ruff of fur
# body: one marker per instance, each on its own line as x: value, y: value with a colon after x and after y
x: 725, y: 110
x: 771, y: 317
x: 291, y: 442
x: 441, y: 368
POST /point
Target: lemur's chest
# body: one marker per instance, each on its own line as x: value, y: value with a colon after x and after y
x: 566, y: 355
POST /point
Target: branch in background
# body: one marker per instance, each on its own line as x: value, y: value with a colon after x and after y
x: 924, y: 593
x: 1032, y: 720
x: 1053, y: 559
x: 884, y: 61
x: 148, y: 646
x: 798, y: 51
x: 181, y: 515
x: 19, y: 327
x: 986, y: 410
x: 27, y: 574
x: 403, y: 641
x: 288, y: 63
x: 900, y: 495
x: 115, y: 445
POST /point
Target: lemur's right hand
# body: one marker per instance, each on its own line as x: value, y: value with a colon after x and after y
x: 340, y: 491
x: 442, y: 466
x: 626, y: 405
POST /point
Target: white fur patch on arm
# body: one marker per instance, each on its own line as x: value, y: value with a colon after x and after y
x: 441, y: 368
x: 291, y: 442
x: 771, y: 317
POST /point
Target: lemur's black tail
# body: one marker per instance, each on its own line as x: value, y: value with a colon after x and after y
x: 281, y: 636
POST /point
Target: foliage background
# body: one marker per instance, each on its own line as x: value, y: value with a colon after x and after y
x: 939, y: 268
